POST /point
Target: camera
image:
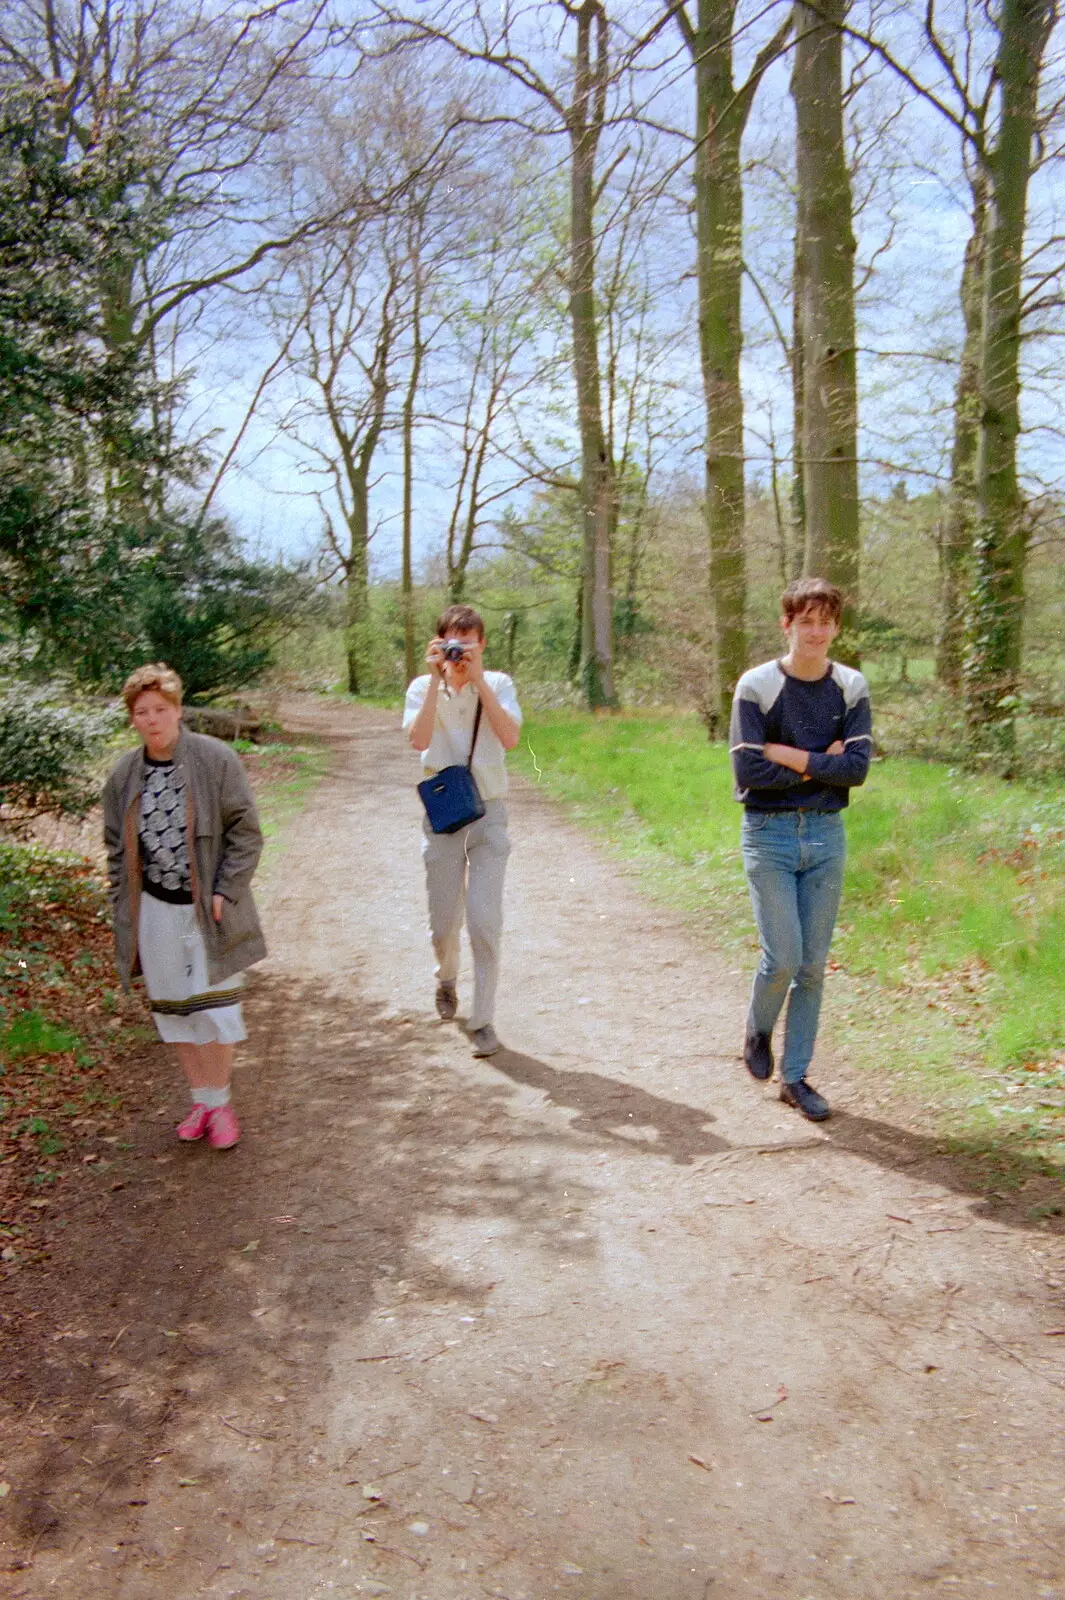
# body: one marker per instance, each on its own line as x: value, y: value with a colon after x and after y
x: 454, y: 650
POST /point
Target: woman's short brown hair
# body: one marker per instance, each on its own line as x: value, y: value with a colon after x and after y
x: 807, y: 594
x: 459, y: 619
x: 156, y: 675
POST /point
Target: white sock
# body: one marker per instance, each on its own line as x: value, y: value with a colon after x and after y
x: 211, y: 1098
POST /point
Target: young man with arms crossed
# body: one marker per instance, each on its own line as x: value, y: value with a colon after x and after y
x: 801, y: 739
x: 464, y: 870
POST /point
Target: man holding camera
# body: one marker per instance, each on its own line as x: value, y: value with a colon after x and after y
x: 464, y: 870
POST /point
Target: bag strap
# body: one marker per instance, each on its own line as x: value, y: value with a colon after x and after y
x: 476, y: 726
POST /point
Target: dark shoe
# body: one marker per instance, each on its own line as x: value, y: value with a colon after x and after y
x: 447, y: 1001
x: 813, y: 1106
x: 484, y: 1040
x: 758, y: 1055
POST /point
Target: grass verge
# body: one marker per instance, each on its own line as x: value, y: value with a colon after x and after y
x: 948, y: 972
x: 283, y: 776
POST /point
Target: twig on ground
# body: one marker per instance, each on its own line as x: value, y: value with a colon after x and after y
x: 388, y: 1550
x: 392, y: 1471
x: 243, y: 1431
x: 1006, y: 1351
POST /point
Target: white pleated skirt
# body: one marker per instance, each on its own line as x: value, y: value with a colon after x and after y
x: 185, y: 1008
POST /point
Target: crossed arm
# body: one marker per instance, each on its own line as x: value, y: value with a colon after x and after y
x: 786, y: 755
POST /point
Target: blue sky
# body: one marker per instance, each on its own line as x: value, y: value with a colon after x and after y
x: 912, y: 231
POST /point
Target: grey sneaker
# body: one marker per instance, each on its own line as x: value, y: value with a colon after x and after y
x: 447, y: 1001
x: 484, y: 1040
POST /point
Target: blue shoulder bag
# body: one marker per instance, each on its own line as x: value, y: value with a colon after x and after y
x: 451, y: 797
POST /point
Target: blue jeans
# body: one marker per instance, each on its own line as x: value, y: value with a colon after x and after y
x: 794, y: 864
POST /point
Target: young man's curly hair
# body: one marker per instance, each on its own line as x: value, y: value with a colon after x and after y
x: 459, y: 619
x: 807, y: 594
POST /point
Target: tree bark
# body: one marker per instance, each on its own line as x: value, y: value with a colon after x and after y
x: 827, y: 248
x: 798, y: 492
x: 409, y: 398
x: 356, y: 444
x: 721, y: 114
x: 719, y: 245
x: 1001, y: 546
x: 598, y: 489
x: 956, y: 543
x: 127, y: 486
x: 357, y: 585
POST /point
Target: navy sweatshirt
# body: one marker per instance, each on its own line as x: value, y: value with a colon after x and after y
x: 771, y: 707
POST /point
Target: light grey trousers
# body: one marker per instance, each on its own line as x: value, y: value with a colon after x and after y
x: 464, y: 875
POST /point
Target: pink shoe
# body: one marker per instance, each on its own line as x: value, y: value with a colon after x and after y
x: 224, y: 1129
x: 196, y: 1123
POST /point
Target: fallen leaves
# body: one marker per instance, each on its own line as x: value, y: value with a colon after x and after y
x: 71, y: 1030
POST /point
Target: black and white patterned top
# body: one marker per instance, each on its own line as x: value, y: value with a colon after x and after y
x: 163, y: 835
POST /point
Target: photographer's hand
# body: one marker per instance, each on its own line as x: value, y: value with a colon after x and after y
x: 421, y: 729
x: 475, y: 665
x: 434, y: 657
x: 502, y: 724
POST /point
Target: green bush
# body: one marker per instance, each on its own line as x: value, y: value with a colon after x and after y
x: 47, y: 750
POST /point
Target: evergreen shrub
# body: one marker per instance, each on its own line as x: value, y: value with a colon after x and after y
x: 48, y: 751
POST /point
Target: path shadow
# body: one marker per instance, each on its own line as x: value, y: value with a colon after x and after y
x: 193, y: 1283
x: 1012, y: 1185
x: 646, y: 1123
x: 358, y: 1141
x: 620, y: 1112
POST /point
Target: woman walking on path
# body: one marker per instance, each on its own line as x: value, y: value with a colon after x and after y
x: 183, y: 841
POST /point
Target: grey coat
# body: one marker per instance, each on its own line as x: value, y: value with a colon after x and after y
x: 225, y: 843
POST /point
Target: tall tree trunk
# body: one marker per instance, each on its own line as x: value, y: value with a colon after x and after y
x: 576, y: 645
x: 409, y: 398
x: 598, y: 490
x: 357, y: 583
x: 1001, y: 546
x: 127, y: 487
x: 826, y: 235
x: 956, y: 544
x: 721, y: 114
x: 719, y: 126
x: 798, y: 491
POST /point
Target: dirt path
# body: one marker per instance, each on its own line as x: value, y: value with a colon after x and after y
x: 597, y: 1318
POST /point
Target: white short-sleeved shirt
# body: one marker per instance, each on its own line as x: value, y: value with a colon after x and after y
x: 453, y: 730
